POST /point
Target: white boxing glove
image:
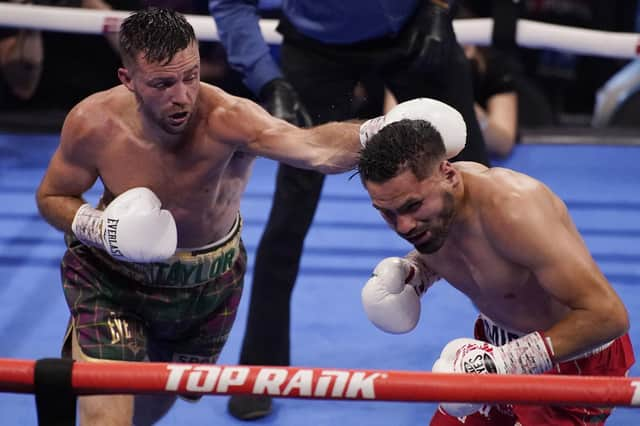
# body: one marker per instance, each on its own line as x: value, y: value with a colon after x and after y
x: 391, y: 297
x: 529, y: 354
x: 444, y: 118
x: 132, y: 228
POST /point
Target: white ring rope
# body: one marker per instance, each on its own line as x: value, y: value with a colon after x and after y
x: 529, y: 34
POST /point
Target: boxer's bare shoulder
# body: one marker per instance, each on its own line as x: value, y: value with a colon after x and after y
x: 99, y: 114
x: 517, y: 212
x: 503, y: 189
x: 237, y: 120
x: 471, y: 167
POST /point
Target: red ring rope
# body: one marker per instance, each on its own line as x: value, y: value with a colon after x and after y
x: 324, y: 383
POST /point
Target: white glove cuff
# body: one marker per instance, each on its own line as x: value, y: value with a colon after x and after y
x: 87, y: 226
x: 423, y: 277
x: 370, y: 128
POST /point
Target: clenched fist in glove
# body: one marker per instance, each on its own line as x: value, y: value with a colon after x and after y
x: 444, y: 118
x: 529, y: 354
x: 391, y: 297
x: 281, y: 100
x: 132, y: 228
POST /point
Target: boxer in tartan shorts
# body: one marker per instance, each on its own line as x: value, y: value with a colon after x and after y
x: 148, y: 311
x: 174, y: 156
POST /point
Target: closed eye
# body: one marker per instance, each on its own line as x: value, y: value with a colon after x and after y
x: 410, y: 207
x: 162, y: 84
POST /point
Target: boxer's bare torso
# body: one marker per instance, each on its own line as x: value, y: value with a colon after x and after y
x: 199, y: 178
x: 475, y: 257
x: 511, y: 247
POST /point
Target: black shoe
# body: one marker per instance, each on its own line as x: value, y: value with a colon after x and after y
x: 249, y: 407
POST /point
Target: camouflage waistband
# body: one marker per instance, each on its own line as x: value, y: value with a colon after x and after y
x: 186, y: 268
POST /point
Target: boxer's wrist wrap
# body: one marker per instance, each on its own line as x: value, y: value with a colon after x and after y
x: 424, y: 274
x: 548, y: 344
x: 528, y: 354
x: 87, y: 226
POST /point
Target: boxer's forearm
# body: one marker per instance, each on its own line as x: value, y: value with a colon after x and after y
x: 58, y: 210
x: 582, y: 331
x: 337, y: 147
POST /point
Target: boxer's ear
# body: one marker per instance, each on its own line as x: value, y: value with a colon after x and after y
x: 449, y: 173
x: 124, y: 75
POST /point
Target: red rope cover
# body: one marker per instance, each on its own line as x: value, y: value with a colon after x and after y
x: 327, y: 383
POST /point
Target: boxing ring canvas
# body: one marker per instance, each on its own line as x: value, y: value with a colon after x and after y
x: 329, y: 329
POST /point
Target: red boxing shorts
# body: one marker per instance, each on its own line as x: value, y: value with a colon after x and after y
x: 611, y: 359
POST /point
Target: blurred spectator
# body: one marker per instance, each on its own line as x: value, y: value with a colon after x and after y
x: 52, y: 71
x: 495, y: 95
x: 569, y: 81
x: 494, y: 92
x: 45, y: 70
x: 21, y: 56
x: 496, y: 99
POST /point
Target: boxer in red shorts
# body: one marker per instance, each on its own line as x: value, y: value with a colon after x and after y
x: 508, y: 243
x: 610, y: 359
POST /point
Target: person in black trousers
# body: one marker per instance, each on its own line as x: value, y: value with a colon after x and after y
x: 327, y: 48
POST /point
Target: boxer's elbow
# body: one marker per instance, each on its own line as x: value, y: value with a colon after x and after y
x: 615, y: 318
x: 42, y: 198
x: 622, y: 322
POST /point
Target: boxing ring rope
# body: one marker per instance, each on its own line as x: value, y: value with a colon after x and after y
x: 530, y: 34
x: 89, y: 378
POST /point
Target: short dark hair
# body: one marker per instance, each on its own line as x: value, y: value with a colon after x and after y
x: 407, y: 144
x: 156, y: 32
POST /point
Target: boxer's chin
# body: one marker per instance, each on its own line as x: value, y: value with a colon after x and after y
x: 433, y: 244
